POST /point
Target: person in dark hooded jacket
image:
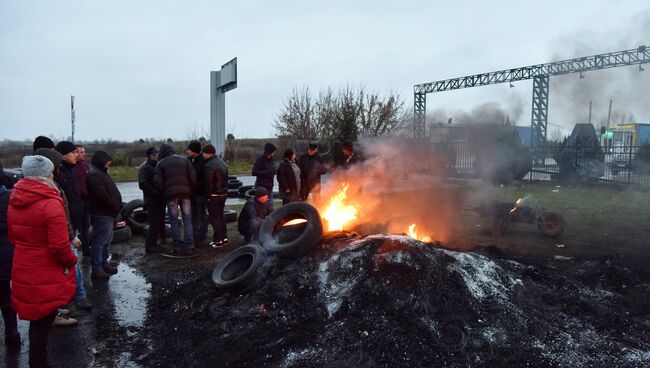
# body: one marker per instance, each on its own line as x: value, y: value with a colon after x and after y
x: 253, y: 214
x: 264, y: 168
x: 175, y: 178
x: 12, y: 337
x: 105, y: 203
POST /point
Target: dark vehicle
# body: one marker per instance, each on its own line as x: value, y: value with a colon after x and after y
x: 14, y: 175
x: 525, y: 210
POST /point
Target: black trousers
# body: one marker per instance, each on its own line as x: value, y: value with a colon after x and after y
x: 8, y: 313
x: 199, y: 218
x: 216, y: 204
x: 39, y: 332
x: 156, y: 211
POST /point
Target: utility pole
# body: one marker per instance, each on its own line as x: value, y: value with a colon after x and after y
x: 609, y: 113
x: 590, y: 112
x: 72, y: 115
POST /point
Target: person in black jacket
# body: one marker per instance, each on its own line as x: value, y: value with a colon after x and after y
x: 264, y: 168
x: 105, y: 203
x: 68, y: 183
x: 215, y: 182
x: 311, y: 168
x: 199, y: 195
x: 289, y: 177
x: 70, y: 187
x: 12, y: 337
x: 153, y: 200
x: 174, y: 178
x: 253, y: 214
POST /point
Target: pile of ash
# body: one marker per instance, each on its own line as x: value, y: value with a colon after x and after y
x: 388, y: 300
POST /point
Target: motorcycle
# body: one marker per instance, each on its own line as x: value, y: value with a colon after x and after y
x: 527, y: 210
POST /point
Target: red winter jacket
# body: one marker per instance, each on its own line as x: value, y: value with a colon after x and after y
x: 43, y: 274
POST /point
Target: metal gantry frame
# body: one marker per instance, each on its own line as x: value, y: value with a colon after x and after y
x: 540, y: 74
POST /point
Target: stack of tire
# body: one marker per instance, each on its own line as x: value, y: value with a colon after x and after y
x: 279, y: 236
x: 233, y: 187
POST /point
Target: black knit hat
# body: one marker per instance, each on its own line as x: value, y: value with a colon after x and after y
x: 65, y: 147
x: 260, y: 192
x: 209, y: 149
x: 288, y: 153
x: 194, y: 146
x: 42, y: 142
x: 151, y: 151
x: 348, y: 145
x: 313, y: 145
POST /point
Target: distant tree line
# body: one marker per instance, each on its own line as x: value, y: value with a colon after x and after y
x: 344, y: 114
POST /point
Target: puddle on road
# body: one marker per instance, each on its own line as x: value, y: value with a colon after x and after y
x: 130, y: 293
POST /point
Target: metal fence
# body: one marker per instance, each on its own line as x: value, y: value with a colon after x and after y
x: 620, y: 164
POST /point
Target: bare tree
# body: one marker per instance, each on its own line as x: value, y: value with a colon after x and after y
x: 343, y: 115
x: 381, y: 116
x: 297, y: 118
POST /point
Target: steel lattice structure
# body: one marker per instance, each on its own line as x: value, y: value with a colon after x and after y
x: 539, y: 73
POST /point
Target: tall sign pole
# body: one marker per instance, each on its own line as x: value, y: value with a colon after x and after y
x: 72, y: 115
x: 221, y: 82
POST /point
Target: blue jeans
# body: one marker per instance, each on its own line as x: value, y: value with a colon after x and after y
x: 186, y: 208
x: 81, y: 291
x: 102, y: 238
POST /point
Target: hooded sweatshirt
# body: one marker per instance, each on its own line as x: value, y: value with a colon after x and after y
x: 105, y: 199
x: 264, y: 168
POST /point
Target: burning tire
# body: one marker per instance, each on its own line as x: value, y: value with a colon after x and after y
x: 135, y: 215
x: 238, y: 266
x: 291, y: 230
x: 553, y: 224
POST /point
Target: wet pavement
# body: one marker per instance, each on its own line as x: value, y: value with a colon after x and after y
x: 98, y: 340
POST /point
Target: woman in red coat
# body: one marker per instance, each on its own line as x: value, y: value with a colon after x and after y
x: 43, y: 272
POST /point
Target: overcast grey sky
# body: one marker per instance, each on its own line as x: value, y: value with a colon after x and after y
x: 141, y: 68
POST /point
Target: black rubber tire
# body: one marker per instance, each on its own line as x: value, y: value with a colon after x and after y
x: 244, y: 188
x: 276, y: 195
x: 238, y: 266
x: 232, y: 193
x: 135, y: 215
x: 230, y: 215
x: 296, y: 240
x: 553, y: 224
x: 121, y: 234
x: 232, y: 177
x: 241, y: 195
x: 250, y: 193
x: 234, y: 184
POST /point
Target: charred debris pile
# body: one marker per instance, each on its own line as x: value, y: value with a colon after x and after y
x: 389, y: 300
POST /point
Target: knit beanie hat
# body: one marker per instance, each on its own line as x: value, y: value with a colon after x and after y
x: 288, y: 153
x: 65, y: 147
x: 194, y: 146
x: 42, y: 142
x: 209, y: 149
x: 51, y: 155
x: 260, y: 192
x: 37, y: 165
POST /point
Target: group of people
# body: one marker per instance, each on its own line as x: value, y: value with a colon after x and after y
x: 196, y: 183
x: 44, y: 220
x: 49, y: 214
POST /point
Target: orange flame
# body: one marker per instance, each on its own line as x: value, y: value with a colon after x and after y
x: 413, y: 233
x: 295, y: 222
x: 337, y: 213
